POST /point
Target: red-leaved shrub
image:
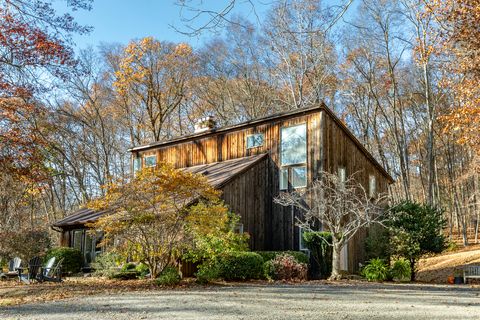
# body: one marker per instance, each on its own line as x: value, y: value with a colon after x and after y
x: 285, y: 267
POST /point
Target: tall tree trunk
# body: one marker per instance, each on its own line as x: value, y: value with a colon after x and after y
x: 413, y: 269
x: 337, y: 249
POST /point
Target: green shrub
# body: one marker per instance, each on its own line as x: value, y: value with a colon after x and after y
x: 124, y: 275
x: 400, y: 270
x: 375, y: 270
x: 269, y: 270
x: 168, y: 277
x: 142, y: 270
x: 72, y: 258
x: 451, y: 246
x: 270, y: 255
x: 106, y: 264
x: 207, y: 272
x: 319, y: 245
x: 285, y: 267
x: 377, y: 243
x: 129, y: 266
x: 241, y: 266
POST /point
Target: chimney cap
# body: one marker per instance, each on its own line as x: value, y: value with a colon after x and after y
x: 205, y: 124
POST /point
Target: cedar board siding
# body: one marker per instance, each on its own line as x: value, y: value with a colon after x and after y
x: 247, y: 196
x: 341, y: 151
x: 279, y: 232
x: 271, y: 226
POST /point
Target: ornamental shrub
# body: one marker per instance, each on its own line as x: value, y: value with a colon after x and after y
x: 400, y: 270
x: 129, y: 266
x: 241, y: 266
x: 72, y: 258
x: 375, y: 270
x: 142, y: 270
x: 106, y: 264
x: 124, y: 275
x: 208, y: 272
x: 168, y: 277
x: 270, y: 255
x: 285, y: 267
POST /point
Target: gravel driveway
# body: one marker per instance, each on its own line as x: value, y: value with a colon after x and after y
x: 248, y: 301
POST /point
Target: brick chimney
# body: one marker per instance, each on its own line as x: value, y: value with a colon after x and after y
x: 205, y: 124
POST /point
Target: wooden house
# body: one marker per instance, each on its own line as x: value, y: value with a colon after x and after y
x: 252, y: 162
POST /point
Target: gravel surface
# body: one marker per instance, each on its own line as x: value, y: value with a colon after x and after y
x: 250, y: 301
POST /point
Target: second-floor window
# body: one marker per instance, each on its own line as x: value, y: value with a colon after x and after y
x: 293, y: 145
x: 255, y: 140
x: 150, y: 161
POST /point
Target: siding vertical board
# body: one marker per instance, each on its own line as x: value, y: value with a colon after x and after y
x: 251, y: 195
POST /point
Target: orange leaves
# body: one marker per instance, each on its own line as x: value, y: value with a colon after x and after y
x: 461, y: 41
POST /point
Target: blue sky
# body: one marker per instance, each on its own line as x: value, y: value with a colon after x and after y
x: 119, y: 21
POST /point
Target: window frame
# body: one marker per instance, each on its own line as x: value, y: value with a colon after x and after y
x: 292, y: 168
x: 253, y: 135
x: 150, y: 156
x: 281, y: 143
x: 289, y: 170
x: 372, y: 189
x: 300, y: 240
x: 342, y: 176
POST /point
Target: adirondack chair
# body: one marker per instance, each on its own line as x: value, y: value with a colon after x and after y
x: 13, y: 265
x: 34, y: 266
x: 51, y: 271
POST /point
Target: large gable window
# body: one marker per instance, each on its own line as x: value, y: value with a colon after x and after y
x: 293, y: 145
x: 255, y: 140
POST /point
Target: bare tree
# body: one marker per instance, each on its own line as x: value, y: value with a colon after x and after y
x: 341, y: 205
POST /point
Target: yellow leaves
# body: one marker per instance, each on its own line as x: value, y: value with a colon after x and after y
x: 183, y: 49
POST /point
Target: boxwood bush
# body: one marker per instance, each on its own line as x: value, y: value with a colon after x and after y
x: 241, y: 266
x: 72, y: 258
x: 168, y: 277
x: 300, y: 257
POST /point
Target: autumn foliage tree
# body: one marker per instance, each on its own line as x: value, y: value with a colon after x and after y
x: 152, y: 80
x: 458, y: 21
x: 33, y: 50
x: 160, y: 214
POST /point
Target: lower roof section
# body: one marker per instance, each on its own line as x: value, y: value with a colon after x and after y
x: 218, y: 174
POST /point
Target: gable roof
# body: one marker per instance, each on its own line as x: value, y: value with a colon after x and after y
x: 246, y: 124
x: 218, y: 175
x: 282, y: 115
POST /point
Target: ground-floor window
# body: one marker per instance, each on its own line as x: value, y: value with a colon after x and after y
x: 87, y: 243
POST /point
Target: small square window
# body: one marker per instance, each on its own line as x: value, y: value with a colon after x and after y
x: 151, y: 161
x: 284, y: 179
x: 299, y: 177
x: 254, y: 140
